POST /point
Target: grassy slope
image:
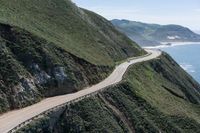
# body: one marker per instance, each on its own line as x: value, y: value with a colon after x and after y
x: 151, y: 97
x: 167, y: 87
x: 186, y: 34
x: 80, y: 32
x: 42, y: 39
x: 26, y: 57
x: 151, y: 34
x: 138, y: 27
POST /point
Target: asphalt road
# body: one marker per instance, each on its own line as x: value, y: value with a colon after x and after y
x: 13, y: 118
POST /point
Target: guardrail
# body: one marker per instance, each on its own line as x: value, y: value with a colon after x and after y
x: 65, y: 104
x: 57, y: 107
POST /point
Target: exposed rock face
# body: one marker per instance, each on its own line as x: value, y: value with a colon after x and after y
x: 25, y: 93
x: 41, y: 77
x: 58, y: 47
x: 28, y: 84
x: 32, y: 68
x: 59, y: 74
x: 151, y: 99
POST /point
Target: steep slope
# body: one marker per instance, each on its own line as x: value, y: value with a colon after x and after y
x: 32, y: 68
x: 173, y: 33
x: 151, y: 99
x: 138, y: 27
x: 152, y: 34
x: 52, y: 47
x: 71, y: 28
x: 137, y: 31
x: 197, y: 31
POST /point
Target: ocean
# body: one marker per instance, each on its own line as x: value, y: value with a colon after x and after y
x: 188, y: 57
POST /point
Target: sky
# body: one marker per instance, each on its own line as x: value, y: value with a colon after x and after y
x: 182, y: 12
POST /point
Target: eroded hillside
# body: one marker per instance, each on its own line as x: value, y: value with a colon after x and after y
x: 151, y: 99
x: 32, y: 68
x: 52, y: 47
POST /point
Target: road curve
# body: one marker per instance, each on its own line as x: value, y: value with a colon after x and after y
x: 10, y: 120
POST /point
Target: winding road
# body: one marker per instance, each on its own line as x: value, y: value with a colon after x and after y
x: 12, y: 119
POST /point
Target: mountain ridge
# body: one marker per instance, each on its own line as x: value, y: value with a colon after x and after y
x: 154, y: 34
x: 59, y: 21
x: 148, y: 106
x: 51, y: 47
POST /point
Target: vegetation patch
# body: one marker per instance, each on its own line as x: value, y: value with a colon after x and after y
x: 32, y: 68
x: 79, y: 32
x: 143, y: 99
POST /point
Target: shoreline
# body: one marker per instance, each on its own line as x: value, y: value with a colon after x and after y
x: 173, y: 44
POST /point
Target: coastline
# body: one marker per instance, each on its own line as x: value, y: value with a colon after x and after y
x: 172, y: 44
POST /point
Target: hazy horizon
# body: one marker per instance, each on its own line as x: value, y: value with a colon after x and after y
x: 181, y: 12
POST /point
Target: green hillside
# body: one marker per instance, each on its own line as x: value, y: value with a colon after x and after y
x: 153, y: 34
x: 32, y: 68
x: 151, y: 99
x: 52, y: 47
x: 79, y: 32
x: 164, y: 33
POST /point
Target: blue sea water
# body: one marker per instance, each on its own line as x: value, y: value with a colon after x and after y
x: 188, y: 57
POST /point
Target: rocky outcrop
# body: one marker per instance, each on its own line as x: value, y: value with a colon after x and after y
x: 59, y: 74
x: 32, y: 68
x: 150, y: 99
x: 41, y: 77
